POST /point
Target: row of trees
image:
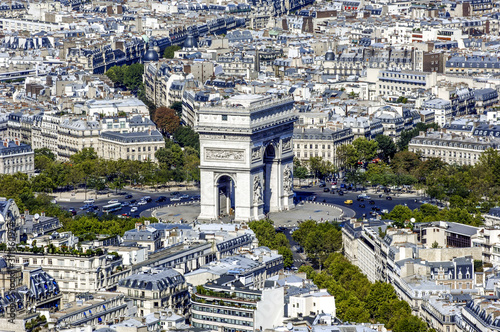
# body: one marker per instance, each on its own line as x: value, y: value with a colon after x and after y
x: 319, y: 240
x: 428, y: 212
x: 128, y: 76
x: 86, y: 169
x: 358, y: 300
x: 20, y: 188
x: 355, y: 156
x: 267, y: 237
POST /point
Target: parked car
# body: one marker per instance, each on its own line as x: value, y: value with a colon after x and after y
x: 341, y: 192
x: 113, y: 201
x: 195, y: 197
x: 322, y: 184
x: 175, y: 199
x: 73, y: 211
x: 326, y: 190
x: 174, y: 193
x: 389, y: 198
x: 184, y: 196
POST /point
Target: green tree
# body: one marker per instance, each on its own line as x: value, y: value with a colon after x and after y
x: 386, y: 146
x: 177, y: 106
x: 320, y: 168
x: 169, y: 51
x: 367, y: 149
x: 410, y: 324
x: 45, y: 152
x: 348, y: 156
x: 187, y: 137
x: 299, y: 171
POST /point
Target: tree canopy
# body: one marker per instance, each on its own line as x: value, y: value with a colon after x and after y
x: 267, y: 237
x: 360, y: 301
x: 169, y: 51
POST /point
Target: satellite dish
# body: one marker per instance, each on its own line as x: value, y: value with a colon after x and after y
x: 289, y: 326
x: 36, y: 216
x: 412, y: 219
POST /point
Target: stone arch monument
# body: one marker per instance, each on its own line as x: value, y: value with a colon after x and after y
x: 246, y: 157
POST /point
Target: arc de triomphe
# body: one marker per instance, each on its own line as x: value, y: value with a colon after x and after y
x: 246, y: 157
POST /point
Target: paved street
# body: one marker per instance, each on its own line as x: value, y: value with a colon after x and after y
x: 67, y: 200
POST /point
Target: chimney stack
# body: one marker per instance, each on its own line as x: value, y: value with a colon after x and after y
x: 16, y: 140
x: 6, y: 142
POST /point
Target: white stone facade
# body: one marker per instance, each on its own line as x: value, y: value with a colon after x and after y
x: 247, y: 153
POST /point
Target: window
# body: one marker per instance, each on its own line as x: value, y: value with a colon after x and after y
x: 224, y: 117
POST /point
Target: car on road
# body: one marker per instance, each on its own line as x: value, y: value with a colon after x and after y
x: 375, y: 208
x: 175, y: 199
x: 132, y: 201
x: 89, y: 201
x: 348, y: 202
x: 362, y: 206
x: 72, y: 210
x: 360, y: 199
x: 141, y: 202
x: 161, y: 199
x: 128, y: 196
x: 371, y: 202
x: 174, y: 193
x: 385, y: 211
x: 113, y: 201
x: 184, y: 196
x: 322, y: 184
x: 133, y: 209
x: 195, y: 197
x: 326, y: 190
x: 125, y: 203
x: 389, y: 198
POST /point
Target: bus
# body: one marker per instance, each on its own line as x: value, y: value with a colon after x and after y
x: 111, y: 207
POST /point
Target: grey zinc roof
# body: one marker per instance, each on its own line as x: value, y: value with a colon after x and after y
x: 134, y: 137
x: 153, y: 280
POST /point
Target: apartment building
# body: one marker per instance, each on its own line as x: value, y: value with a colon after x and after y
x: 231, y: 308
x: 143, y: 236
x: 442, y: 109
x: 485, y: 98
x: 75, y: 274
x: 311, y: 304
x: 141, y: 146
x: 320, y: 142
x: 395, y: 83
x: 98, y: 308
x: 73, y: 135
x: 156, y: 289
x: 16, y: 157
x: 443, y: 312
x: 451, y: 148
x: 251, y: 269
